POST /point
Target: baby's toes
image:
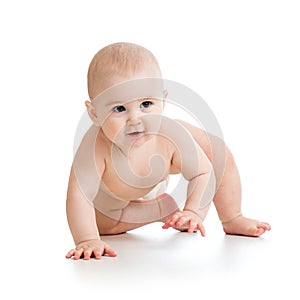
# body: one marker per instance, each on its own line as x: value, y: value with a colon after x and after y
x: 255, y: 231
x: 260, y: 228
x: 265, y: 226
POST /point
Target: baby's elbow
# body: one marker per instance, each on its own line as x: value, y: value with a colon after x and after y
x: 206, y: 170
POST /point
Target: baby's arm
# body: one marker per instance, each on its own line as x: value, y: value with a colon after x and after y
x: 201, y: 188
x: 83, y: 226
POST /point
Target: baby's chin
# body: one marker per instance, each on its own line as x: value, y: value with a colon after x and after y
x: 142, y: 140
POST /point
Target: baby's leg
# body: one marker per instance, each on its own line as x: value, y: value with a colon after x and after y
x: 109, y: 226
x: 228, y: 197
x: 228, y: 204
x: 136, y: 214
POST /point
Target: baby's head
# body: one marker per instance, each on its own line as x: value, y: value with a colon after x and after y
x: 120, y: 62
x: 125, y: 88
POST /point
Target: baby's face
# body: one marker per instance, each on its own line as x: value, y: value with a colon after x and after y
x: 130, y: 112
x: 127, y: 123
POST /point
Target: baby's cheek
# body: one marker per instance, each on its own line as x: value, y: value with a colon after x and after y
x: 152, y: 124
x: 111, y: 130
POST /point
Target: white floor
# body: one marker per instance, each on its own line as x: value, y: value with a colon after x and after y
x: 154, y: 263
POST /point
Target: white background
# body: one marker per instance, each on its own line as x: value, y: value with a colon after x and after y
x: 242, y: 57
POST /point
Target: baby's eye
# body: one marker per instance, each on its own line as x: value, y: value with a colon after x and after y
x: 146, y: 104
x: 119, y: 108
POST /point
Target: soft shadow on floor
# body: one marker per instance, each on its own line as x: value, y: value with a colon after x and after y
x: 155, y: 254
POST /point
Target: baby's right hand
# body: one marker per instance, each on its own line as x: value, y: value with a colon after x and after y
x: 91, y: 248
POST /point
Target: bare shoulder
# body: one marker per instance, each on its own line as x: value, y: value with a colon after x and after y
x: 196, y: 132
x: 204, y: 139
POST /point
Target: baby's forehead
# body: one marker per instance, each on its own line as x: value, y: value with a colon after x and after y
x: 107, y: 79
x: 132, y: 90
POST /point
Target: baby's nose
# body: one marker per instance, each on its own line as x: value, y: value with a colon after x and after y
x: 134, y: 117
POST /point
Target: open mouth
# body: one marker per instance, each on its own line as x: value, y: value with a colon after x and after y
x: 136, y: 134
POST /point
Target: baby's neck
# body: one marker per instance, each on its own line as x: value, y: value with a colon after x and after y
x: 146, y: 148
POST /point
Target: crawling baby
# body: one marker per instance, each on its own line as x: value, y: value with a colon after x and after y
x: 121, y: 169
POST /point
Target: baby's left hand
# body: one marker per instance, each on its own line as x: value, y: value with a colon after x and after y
x: 185, y: 221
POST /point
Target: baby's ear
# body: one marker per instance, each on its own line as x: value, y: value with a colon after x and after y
x: 91, y: 111
x: 87, y: 103
x: 165, y: 95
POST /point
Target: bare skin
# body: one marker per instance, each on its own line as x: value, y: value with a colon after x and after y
x: 245, y: 226
x: 227, y: 201
x: 87, y: 222
x: 228, y: 198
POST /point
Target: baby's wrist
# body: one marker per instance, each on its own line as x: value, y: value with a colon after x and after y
x: 193, y: 211
x: 87, y: 240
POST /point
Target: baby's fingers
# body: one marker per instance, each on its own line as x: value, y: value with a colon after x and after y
x: 201, y: 228
x: 192, y: 226
x: 87, y: 253
x: 170, y: 223
x: 109, y: 251
x: 175, y: 218
x: 78, y: 253
x: 70, y: 253
x: 97, y: 253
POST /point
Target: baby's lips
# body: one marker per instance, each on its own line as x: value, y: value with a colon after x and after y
x: 133, y: 130
x: 136, y: 134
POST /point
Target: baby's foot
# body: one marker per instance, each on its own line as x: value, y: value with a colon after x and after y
x: 245, y: 226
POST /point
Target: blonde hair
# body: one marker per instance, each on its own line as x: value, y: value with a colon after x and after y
x: 121, y: 59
